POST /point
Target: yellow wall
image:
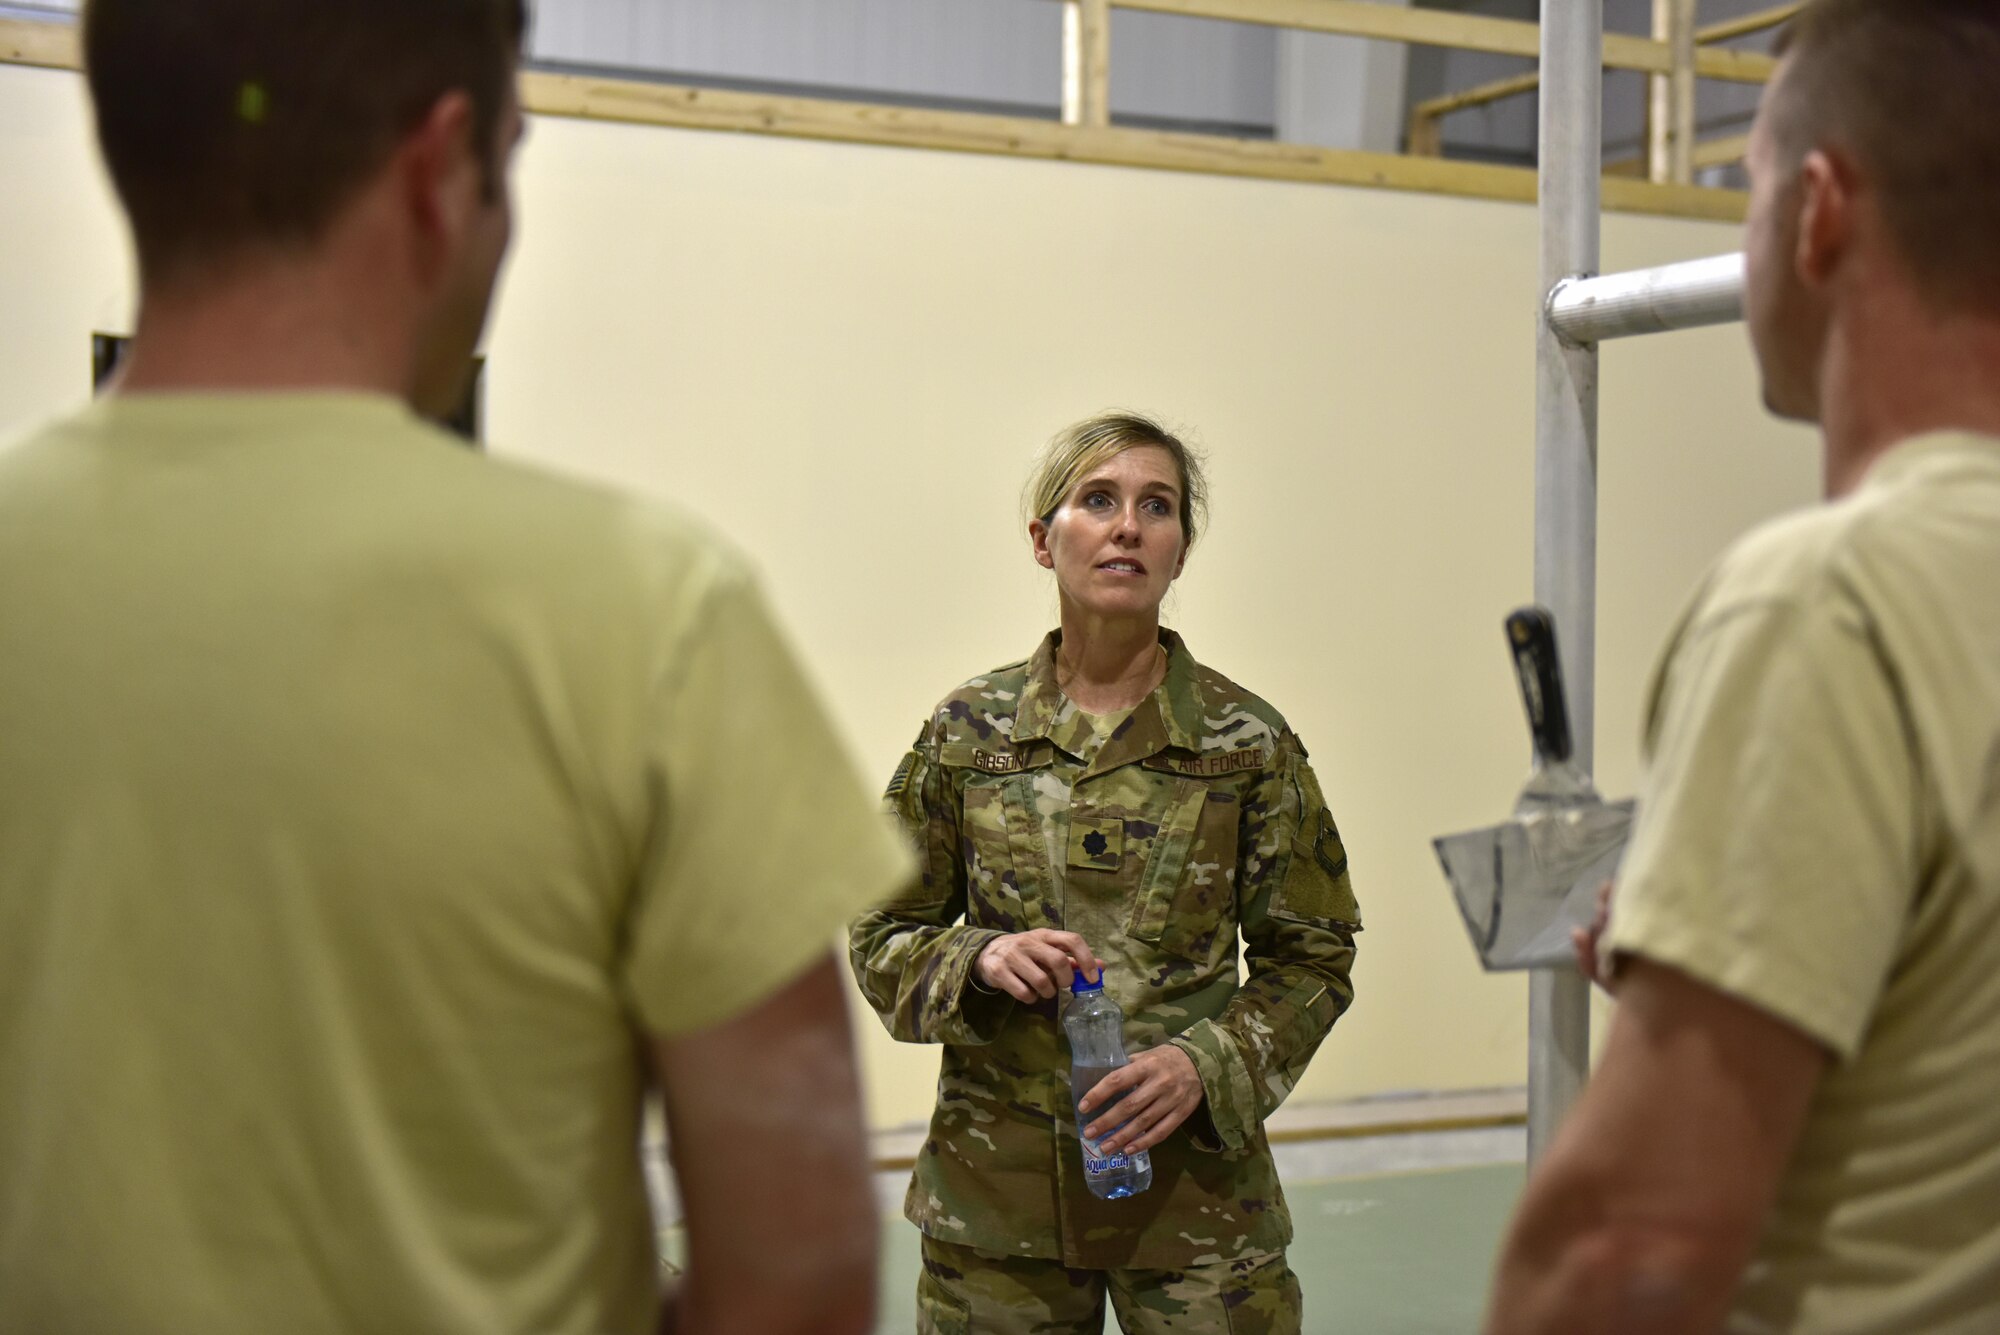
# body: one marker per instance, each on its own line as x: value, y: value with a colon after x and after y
x: 845, y: 357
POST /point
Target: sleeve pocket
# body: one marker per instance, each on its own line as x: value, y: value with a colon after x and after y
x: 1316, y: 888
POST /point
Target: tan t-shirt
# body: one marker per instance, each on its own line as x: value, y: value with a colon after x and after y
x: 1821, y: 838
x: 361, y: 799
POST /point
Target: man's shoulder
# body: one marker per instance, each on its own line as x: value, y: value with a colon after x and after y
x: 592, y: 514
x: 1791, y: 559
x: 1790, y: 587
x: 23, y: 444
x: 606, y: 544
x: 450, y: 499
x: 1912, y: 509
x: 592, y: 563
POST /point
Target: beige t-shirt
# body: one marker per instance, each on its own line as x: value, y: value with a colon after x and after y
x: 361, y: 799
x: 1821, y: 838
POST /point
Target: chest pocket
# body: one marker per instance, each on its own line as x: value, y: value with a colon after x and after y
x: 1187, y: 894
x: 1006, y: 872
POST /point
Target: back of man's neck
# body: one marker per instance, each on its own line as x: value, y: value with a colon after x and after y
x: 1883, y: 390
x: 261, y: 337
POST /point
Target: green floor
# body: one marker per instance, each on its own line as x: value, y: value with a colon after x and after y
x: 1408, y: 1254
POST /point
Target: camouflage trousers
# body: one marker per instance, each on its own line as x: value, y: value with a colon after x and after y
x: 963, y: 1291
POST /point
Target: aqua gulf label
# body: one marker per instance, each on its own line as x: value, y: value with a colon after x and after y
x: 1096, y: 1029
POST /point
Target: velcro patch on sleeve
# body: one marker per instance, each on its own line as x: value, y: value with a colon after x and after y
x: 900, y: 780
x: 1327, y: 850
x: 1316, y: 887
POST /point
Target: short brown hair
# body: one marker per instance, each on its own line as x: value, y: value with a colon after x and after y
x: 233, y: 123
x: 1910, y: 89
x: 1077, y: 449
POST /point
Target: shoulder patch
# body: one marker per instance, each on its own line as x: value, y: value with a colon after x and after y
x: 900, y: 780
x: 1327, y: 850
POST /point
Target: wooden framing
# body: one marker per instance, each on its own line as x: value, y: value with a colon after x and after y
x: 55, y: 45
x: 1364, y: 18
x: 863, y: 123
x: 1721, y: 152
x: 1670, y: 97
x: 1465, y: 32
x: 1762, y: 21
x: 1086, y: 62
x: 1425, y: 135
x: 1718, y: 152
x: 1438, y: 107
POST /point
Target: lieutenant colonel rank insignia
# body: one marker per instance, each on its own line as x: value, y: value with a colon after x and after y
x: 1096, y: 842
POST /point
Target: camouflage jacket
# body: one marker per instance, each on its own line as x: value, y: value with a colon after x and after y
x: 1197, y: 819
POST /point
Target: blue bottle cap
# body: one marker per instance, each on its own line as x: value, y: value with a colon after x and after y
x: 1077, y: 986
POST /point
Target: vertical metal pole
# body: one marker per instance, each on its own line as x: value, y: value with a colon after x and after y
x: 1572, y: 171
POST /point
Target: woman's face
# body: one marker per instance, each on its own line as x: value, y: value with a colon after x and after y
x: 1115, y: 542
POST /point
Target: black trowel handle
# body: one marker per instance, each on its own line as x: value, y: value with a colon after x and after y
x: 1531, y: 634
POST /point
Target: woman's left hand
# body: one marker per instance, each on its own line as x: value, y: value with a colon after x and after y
x: 1161, y: 1088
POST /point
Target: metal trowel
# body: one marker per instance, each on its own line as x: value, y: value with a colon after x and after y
x: 1523, y: 884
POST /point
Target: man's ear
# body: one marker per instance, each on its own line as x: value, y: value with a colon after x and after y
x: 1827, y: 187
x: 1038, y: 534
x: 441, y: 173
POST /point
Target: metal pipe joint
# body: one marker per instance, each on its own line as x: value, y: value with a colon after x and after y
x: 1585, y: 309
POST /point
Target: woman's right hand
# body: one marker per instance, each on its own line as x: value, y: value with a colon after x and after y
x: 1031, y: 966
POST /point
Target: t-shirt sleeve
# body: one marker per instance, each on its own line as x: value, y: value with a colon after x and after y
x: 763, y: 839
x: 1775, y: 855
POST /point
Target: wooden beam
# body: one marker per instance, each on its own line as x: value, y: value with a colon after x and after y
x: 1425, y: 135
x: 1086, y: 62
x: 1437, y: 27
x: 1480, y: 96
x: 1394, y: 23
x: 677, y: 107
x: 55, y: 46
x: 1715, y: 62
x: 815, y: 118
x: 1364, y: 18
x: 1670, y: 97
x: 1762, y: 21
x: 1718, y: 152
x: 1516, y: 85
x: 1722, y: 152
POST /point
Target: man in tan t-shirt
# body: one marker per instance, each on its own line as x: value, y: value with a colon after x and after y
x: 1795, y: 1123
x: 378, y: 820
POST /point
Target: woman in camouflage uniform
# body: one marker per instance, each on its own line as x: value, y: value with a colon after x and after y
x: 1110, y: 804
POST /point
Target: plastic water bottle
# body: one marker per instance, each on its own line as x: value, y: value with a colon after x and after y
x: 1097, y: 1048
